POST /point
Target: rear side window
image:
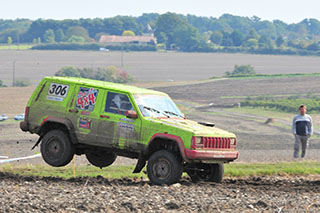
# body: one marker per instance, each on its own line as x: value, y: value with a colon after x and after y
x: 86, y: 98
x: 118, y: 103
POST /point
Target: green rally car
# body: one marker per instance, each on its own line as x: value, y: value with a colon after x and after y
x: 103, y: 120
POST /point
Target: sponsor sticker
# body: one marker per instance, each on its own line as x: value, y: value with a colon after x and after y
x: 54, y: 98
x: 125, y: 130
x: 86, y: 98
x: 85, y: 124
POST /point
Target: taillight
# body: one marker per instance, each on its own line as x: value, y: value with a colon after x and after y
x: 26, y: 114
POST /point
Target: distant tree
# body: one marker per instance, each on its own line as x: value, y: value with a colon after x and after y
x: 216, y: 37
x: 187, y: 38
x: 77, y: 31
x: 128, y: 33
x: 168, y: 24
x: 227, y: 40
x: 265, y: 42
x: 279, y: 41
x: 237, y: 37
x: 242, y: 70
x: 49, y: 36
x: 162, y: 38
x: 35, y: 41
x: 60, y: 35
x: 252, y: 43
x: 39, y: 40
x: 9, y: 40
x: 76, y: 39
x: 252, y: 35
x: 313, y: 47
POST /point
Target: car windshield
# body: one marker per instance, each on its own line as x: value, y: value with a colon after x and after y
x: 157, y: 106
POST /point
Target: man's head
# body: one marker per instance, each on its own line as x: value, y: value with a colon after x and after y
x: 303, y: 109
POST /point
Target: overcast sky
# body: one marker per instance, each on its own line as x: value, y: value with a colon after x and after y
x: 289, y: 11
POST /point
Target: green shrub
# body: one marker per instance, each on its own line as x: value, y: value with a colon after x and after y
x: 242, y: 70
x: 94, y: 47
x: 111, y: 74
x: 285, y: 105
x: 22, y: 83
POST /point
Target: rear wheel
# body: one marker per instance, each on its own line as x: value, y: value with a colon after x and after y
x: 206, y: 172
x: 164, y: 168
x: 56, y: 148
x: 101, y: 158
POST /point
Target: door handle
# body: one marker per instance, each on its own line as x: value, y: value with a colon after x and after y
x: 73, y: 110
x: 104, y: 116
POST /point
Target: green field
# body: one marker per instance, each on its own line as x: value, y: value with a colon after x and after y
x: 15, y: 47
x: 231, y: 170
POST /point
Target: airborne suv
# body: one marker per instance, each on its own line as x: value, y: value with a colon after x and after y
x: 104, y: 120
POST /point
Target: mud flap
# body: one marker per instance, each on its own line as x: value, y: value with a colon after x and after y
x: 140, y: 164
x: 37, y: 143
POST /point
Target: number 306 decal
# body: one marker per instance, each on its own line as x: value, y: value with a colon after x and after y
x: 59, y: 90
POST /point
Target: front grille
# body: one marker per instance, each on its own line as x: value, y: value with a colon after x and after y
x: 215, y: 143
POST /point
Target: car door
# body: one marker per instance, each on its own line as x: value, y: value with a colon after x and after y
x: 84, y: 112
x: 115, y: 129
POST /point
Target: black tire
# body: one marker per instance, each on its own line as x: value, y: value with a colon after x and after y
x: 56, y: 148
x: 218, y: 173
x: 164, y: 168
x: 101, y: 158
x: 206, y: 172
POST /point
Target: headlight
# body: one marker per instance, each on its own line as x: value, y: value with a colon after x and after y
x: 196, y: 142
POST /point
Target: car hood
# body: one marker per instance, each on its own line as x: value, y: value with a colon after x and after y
x: 194, y: 127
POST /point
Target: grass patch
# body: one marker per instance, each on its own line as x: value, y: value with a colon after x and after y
x: 293, y: 75
x: 114, y: 172
x: 15, y: 47
x: 269, y: 169
x: 67, y: 171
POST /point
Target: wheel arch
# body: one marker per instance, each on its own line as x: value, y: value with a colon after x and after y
x: 51, y: 123
x: 168, y: 142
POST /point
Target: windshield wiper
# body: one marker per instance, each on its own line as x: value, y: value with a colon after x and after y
x: 173, y: 113
x: 155, y: 110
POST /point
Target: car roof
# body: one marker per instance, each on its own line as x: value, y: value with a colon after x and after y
x: 103, y: 84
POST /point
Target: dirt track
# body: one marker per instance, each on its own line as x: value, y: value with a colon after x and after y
x: 276, y: 194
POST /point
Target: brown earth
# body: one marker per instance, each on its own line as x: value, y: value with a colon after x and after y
x: 232, y: 91
x: 149, y: 66
x: 263, y: 194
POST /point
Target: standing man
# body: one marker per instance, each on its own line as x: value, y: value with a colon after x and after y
x: 302, y: 130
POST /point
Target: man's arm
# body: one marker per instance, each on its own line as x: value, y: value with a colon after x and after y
x: 294, y: 126
x: 311, y: 127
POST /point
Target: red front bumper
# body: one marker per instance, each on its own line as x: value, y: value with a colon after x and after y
x: 211, y: 155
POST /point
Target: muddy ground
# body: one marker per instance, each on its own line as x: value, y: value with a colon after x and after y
x: 264, y: 194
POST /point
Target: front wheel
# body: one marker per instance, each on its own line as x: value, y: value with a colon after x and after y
x: 164, y: 168
x: 56, y: 148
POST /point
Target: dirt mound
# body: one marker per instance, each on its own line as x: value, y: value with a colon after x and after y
x: 103, y: 195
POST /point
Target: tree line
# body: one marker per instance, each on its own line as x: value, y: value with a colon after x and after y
x: 175, y: 31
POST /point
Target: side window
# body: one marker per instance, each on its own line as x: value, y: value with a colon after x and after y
x: 86, y: 98
x: 118, y: 103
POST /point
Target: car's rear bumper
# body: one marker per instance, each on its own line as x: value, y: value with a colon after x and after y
x: 211, y: 155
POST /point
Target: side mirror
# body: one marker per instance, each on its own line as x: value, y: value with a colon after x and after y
x: 132, y: 114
